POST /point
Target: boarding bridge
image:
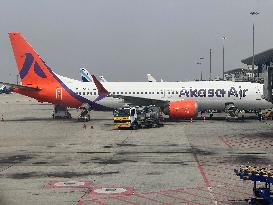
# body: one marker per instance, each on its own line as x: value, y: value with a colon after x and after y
x: 268, y: 83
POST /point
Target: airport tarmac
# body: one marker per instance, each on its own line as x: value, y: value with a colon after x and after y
x: 46, y: 161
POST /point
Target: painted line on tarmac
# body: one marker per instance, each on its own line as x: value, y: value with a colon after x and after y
x: 217, y: 193
x: 180, y: 198
x: 202, y: 171
x: 150, y: 199
x: 69, y: 184
x: 205, y: 178
x: 123, y: 200
x: 96, y: 201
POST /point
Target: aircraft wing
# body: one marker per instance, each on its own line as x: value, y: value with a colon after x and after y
x: 22, y: 87
x: 141, y: 101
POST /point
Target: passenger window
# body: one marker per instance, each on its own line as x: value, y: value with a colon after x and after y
x: 176, y: 92
x: 137, y: 92
x: 121, y: 93
x: 95, y: 93
x: 80, y: 93
x: 162, y: 93
x: 114, y: 93
x: 87, y: 93
x: 158, y: 93
x: 134, y: 93
x: 173, y: 92
x: 141, y: 93
x: 153, y: 93
x: 125, y: 93
x: 129, y: 93
x: 117, y: 93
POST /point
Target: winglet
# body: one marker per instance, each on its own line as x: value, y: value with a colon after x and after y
x: 101, y: 90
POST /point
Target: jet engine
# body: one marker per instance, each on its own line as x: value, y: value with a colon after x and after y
x: 184, y: 109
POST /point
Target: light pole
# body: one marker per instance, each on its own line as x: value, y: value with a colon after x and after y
x: 210, y: 64
x: 253, y: 40
x: 200, y: 63
x: 224, y: 38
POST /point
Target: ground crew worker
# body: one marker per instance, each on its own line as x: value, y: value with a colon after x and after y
x: 210, y: 114
x: 243, y: 114
x: 260, y: 115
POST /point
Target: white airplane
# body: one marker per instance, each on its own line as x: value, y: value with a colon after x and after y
x: 5, y: 89
x: 177, y: 99
x: 150, y: 78
x: 85, y: 76
x: 102, y: 79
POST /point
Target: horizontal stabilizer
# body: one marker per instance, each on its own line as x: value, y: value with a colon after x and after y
x: 22, y: 87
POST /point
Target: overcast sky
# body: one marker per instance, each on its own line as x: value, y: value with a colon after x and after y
x: 125, y: 39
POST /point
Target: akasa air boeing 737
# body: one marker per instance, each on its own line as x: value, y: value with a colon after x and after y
x: 177, y: 99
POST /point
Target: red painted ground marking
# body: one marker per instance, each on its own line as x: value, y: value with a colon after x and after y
x: 167, y: 190
x: 175, y: 197
x: 150, y: 199
x: 123, y: 200
x: 202, y: 171
x: 218, y: 201
x: 189, y: 193
x: 96, y: 201
x: 216, y: 193
x: 81, y: 202
x: 69, y: 184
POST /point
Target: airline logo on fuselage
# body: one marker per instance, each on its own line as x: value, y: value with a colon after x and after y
x: 219, y: 93
x: 27, y: 65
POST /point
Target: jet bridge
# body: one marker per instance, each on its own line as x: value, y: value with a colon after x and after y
x: 268, y: 83
x: 264, y: 62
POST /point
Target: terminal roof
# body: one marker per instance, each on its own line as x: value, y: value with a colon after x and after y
x: 264, y: 57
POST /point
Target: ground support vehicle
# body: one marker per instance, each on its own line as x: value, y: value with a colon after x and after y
x: 262, y: 194
x: 138, y: 117
x: 60, y: 112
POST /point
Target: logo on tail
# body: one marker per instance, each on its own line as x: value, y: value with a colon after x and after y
x: 29, y: 59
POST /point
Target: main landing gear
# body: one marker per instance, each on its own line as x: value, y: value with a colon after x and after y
x: 85, y: 113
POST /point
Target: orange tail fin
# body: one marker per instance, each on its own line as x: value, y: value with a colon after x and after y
x: 32, y: 69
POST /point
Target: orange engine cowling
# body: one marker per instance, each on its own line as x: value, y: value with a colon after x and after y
x: 184, y: 109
